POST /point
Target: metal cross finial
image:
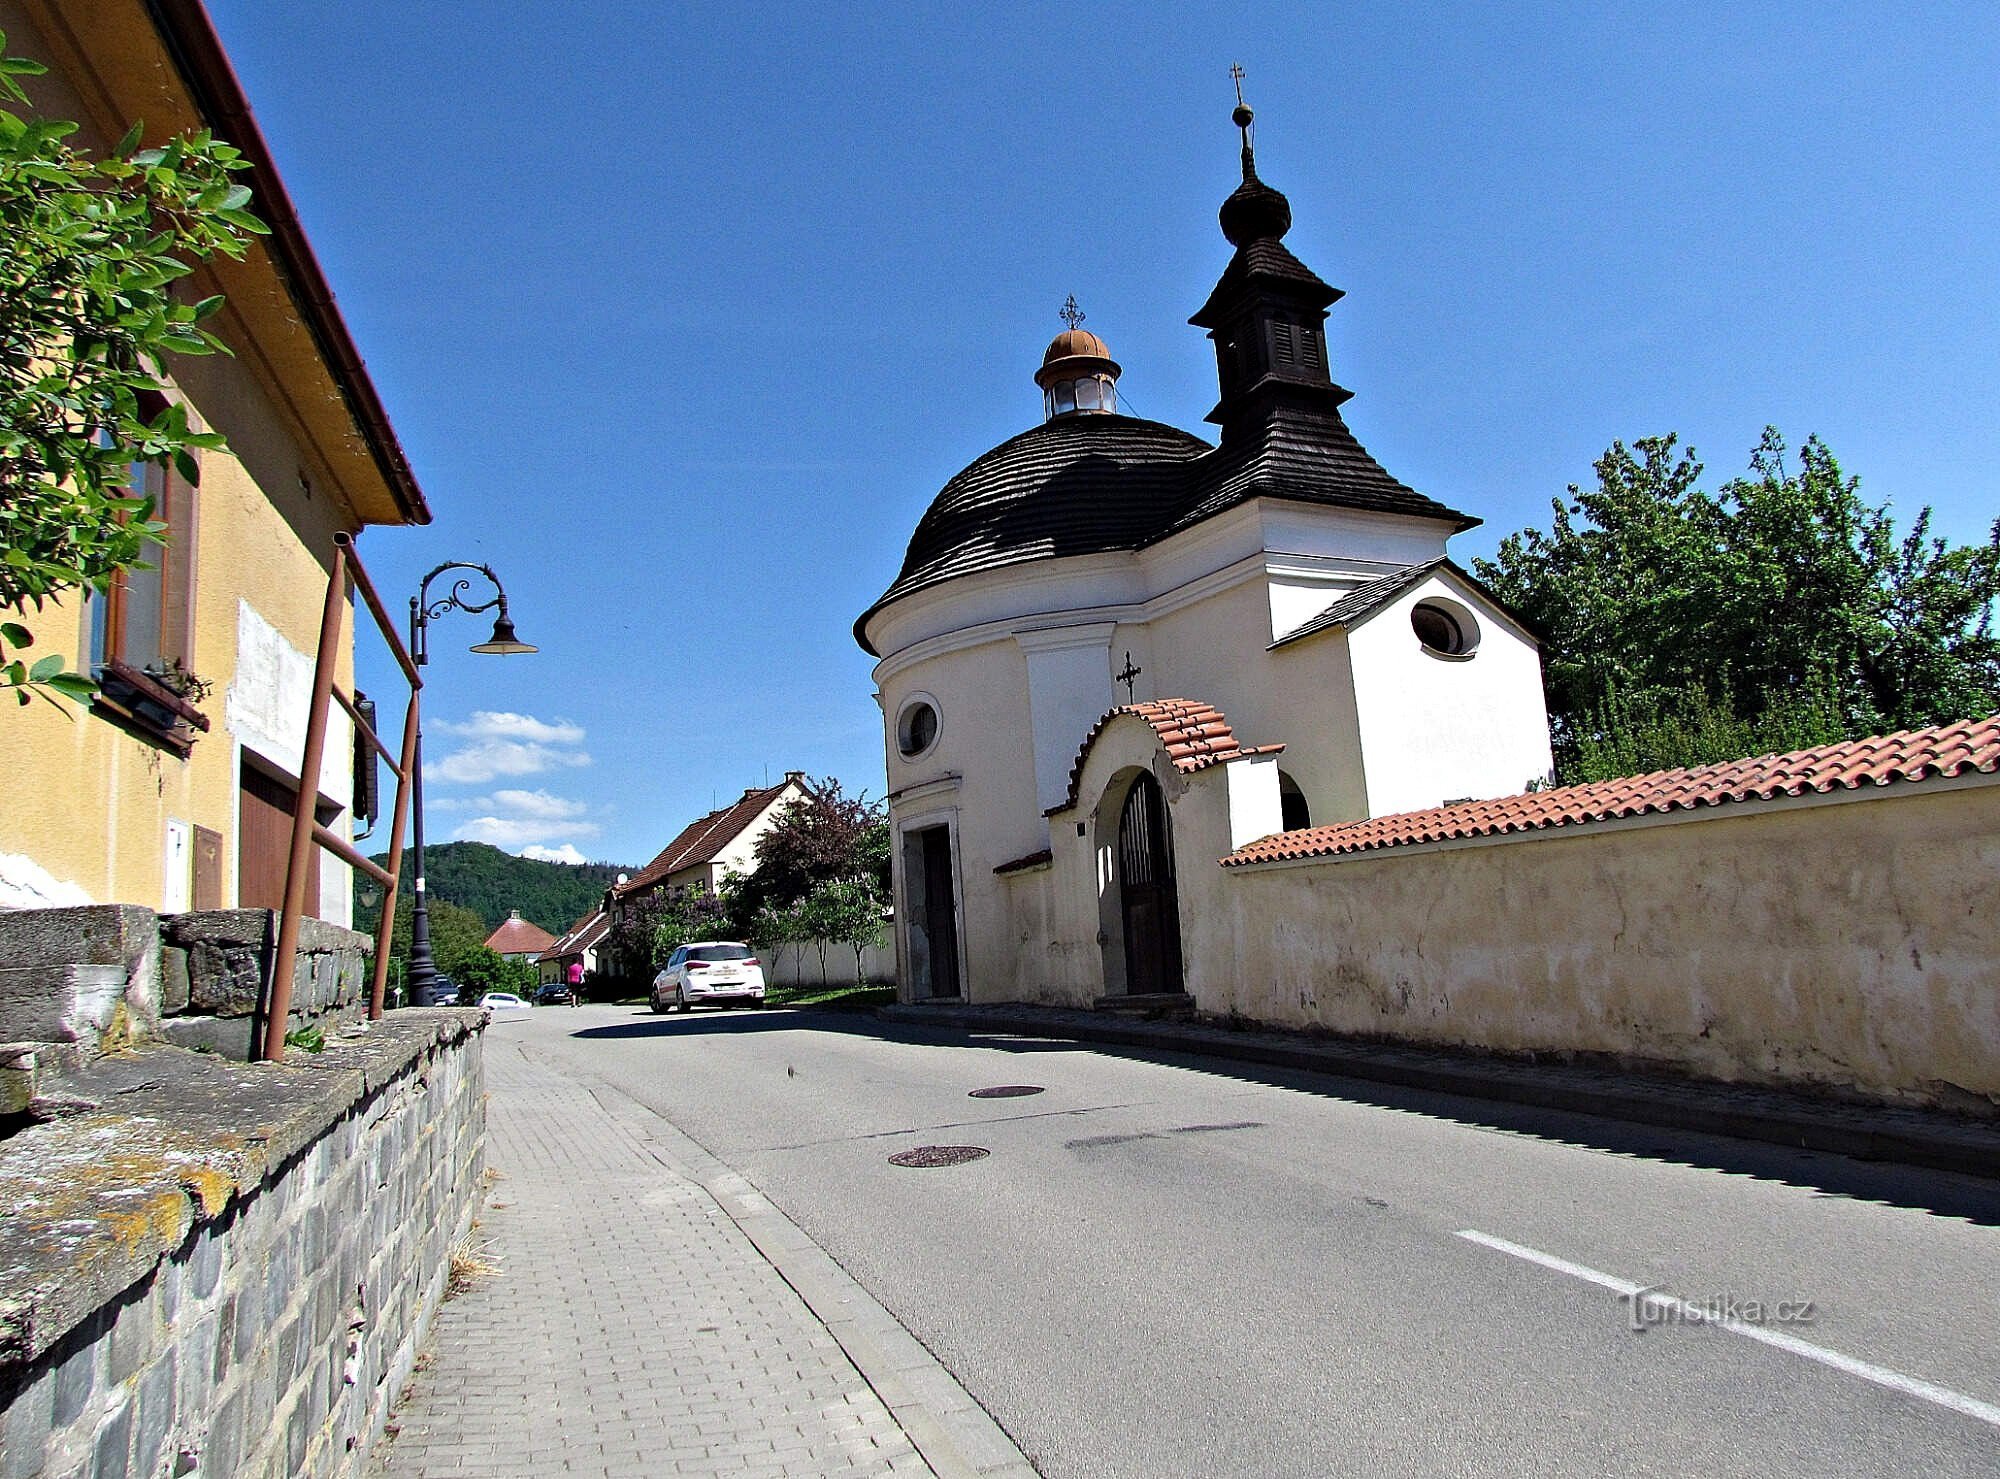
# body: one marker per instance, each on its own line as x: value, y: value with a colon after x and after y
x: 1236, y: 72
x: 1069, y: 313
x: 1128, y: 676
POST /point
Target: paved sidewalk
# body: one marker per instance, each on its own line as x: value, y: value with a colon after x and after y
x: 633, y: 1327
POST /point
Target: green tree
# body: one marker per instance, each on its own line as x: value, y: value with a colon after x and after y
x: 850, y: 911
x: 455, y: 931
x: 481, y: 969
x: 1782, y: 611
x: 823, y: 835
x: 92, y: 252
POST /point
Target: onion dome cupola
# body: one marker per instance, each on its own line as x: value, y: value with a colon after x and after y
x: 1078, y: 375
x: 1268, y: 311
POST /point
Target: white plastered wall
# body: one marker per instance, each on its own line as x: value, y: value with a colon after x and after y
x: 1436, y: 729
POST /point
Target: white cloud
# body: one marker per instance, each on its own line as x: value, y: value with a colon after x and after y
x: 534, y: 823
x: 499, y: 745
x: 503, y: 725
x: 487, y: 760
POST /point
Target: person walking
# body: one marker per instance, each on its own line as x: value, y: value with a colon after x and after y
x: 576, y: 983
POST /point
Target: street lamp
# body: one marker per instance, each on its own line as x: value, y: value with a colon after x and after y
x: 422, y: 981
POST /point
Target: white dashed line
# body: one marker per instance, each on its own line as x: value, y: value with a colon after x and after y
x: 1882, y: 1376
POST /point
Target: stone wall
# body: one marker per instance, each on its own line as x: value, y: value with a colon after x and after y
x: 78, y: 982
x: 212, y: 1268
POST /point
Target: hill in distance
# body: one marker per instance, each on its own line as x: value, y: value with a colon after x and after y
x: 491, y: 883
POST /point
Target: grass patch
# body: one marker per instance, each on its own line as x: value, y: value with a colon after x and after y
x: 840, y: 997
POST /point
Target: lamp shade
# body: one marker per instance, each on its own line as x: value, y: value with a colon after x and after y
x: 503, y: 642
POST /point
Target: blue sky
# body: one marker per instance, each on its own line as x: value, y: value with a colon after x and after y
x: 684, y: 312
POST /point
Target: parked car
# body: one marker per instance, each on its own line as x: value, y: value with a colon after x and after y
x: 553, y: 994
x: 721, y: 971
x: 497, y: 1002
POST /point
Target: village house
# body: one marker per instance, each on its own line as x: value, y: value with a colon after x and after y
x: 519, y: 939
x: 153, y: 793
x: 708, y: 849
x: 581, y: 944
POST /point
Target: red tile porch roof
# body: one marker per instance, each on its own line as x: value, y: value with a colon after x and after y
x: 1969, y: 746
x: 1195, y: 736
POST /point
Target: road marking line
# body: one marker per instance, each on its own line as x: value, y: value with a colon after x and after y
x: 1910, y: 1386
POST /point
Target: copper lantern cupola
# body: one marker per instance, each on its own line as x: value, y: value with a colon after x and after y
x: 1078, y: 375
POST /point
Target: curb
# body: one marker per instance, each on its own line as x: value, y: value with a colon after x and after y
x: 1890, y: 1133
x: 945, y: 1424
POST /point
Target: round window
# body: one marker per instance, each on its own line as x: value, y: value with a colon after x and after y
x: 1448, y: 631
x: 917, y: 729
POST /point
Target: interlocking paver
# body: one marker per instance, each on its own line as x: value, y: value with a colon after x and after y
x: 631, y: 1328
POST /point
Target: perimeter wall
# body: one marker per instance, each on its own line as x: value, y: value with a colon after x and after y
x: 1849, y: 941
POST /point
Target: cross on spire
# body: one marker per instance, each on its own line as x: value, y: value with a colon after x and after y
x: 1242, y: 116
x: 1128, y: 676
x: 1069, y: 313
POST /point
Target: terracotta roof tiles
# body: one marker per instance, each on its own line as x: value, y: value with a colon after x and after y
x: 518, y: 936
x: 1969, y: 746
x: 700, y: 840
x: 1195, y: 736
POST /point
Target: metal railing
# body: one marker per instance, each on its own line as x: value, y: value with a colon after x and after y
x: 306, y: 830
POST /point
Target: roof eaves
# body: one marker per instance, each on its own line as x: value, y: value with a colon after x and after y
x: 185, y: 28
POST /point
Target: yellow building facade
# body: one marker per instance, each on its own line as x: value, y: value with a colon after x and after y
x: 158, y: 792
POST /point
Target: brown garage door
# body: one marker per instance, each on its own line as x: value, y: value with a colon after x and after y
x: 264, y: 841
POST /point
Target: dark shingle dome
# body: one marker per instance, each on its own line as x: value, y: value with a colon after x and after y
x: 1075, y: 485
x: 1088, y: 481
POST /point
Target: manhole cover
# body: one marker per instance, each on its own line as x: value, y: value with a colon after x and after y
x: 1005, y: 1091
x: 926, y: 1156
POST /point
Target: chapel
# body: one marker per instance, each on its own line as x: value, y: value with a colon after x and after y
x: 1116, y: 650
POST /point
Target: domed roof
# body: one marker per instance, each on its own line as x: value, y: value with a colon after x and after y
x: 1075, y: 352
x: 1075, y: 485
x: 1254, y: 211
x: 1073, y: 342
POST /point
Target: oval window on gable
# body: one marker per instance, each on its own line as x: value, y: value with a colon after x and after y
x: 916, y: 728
x: 1445, y: 628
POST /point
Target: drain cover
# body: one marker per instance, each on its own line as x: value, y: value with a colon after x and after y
x: 1005, y: 1091
x: 926, y: 1156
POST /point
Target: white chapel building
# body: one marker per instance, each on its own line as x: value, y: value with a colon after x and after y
x: 1103, y: 613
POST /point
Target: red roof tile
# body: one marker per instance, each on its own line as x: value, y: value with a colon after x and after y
x: 1039, y: 859
x: 518, y: 936
x: 702, y: 839
x: 1195, y: 735
x: 579, y: 937
x: 1966, y: 747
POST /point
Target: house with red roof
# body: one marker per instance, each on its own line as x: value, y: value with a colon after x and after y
x: 711, y: 847
x: 580, y: 943
x: 519, y: 939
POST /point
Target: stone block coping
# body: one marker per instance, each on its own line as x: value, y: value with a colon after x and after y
x: 166, y: 1140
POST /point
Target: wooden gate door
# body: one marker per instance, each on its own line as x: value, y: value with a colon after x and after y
x: 1146, y: 893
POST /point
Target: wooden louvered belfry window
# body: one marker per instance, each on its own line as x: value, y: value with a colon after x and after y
x: 1294, y: 346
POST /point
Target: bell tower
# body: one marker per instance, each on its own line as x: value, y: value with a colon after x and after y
x: 1267, y: 314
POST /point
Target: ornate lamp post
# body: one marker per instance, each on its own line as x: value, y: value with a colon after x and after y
x: 423, y: 976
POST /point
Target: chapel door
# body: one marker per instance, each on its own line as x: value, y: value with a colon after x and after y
x: 940, y: 911
x: 1146, y: 893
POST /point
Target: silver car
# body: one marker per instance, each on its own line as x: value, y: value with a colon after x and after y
x: 722, y: 971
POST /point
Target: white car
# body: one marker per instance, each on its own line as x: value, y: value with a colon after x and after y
x: 497, y: 1002
x: 721, y: 971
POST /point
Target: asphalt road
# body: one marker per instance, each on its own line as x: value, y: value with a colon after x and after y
x: 1170, y: 1266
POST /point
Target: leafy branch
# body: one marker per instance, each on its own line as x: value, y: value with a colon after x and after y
x: 93, y: 256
